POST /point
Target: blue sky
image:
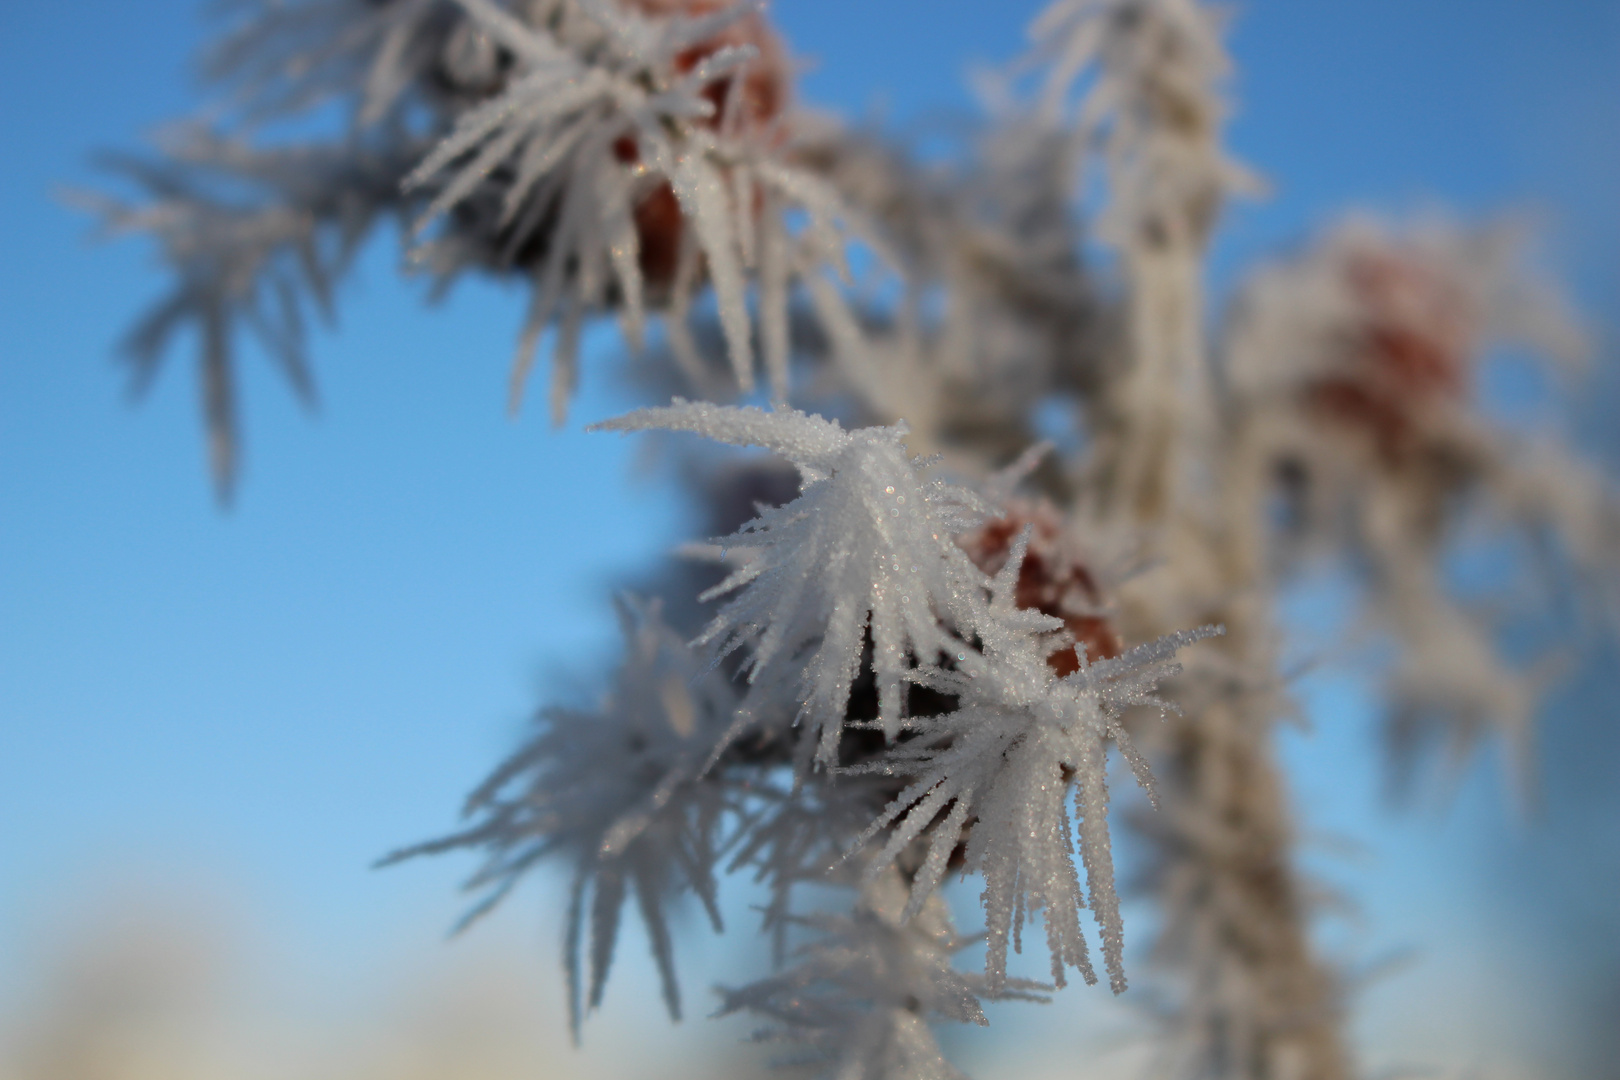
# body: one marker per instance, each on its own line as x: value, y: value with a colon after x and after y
x: 265, y: 700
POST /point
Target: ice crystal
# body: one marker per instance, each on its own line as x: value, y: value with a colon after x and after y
x: 865, y: 549
x: 627, y: 145
x: 255, y: 237
x: 1148, y: 68
x: 861, y: 994
x: 623, y: 793
x: 285, y: 58
x: 999, y: 769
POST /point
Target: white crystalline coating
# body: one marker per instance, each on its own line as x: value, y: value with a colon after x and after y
x: 258, y: 240
x: 866, y: 549
x: 1004, y: 760
x: 589, y: 84
x: 614, y: 154
x: 594, y: 86
x: 1356, y: 360
x: 1148, y: 71
x: 1462, y: 288
x: 622, y: 792
x: 289, y: 57
x: 858, y: 999
x: 824, y: 566
x: 804, y: 439
x: 703, y: 194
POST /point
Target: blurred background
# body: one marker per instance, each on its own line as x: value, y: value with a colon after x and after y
x: 211, y: 722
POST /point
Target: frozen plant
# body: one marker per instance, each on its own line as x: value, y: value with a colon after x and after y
x: 620, y: 157
x: 1383, y: 454
x: 923, y: 634
x: 865, y: 549
x: 851, y: 560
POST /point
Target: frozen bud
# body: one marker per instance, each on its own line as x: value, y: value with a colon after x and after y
x: 1054, y: 579
x: 765, y: 82
x: 1407, y: 350
x: 748, y: 108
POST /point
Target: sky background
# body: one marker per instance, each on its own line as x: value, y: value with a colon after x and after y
x: 237, y: 712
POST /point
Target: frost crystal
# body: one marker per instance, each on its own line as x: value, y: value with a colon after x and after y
x: 622, y: 156
x: 999, y: 769
x: 861, y: 994
x: 255, y: 238
x: 626, y: 146
x: 622, y: 792
x: 865, y: 550
x: 1056, y: 577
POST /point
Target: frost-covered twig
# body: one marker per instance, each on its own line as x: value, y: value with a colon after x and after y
x: 620, y: 155
x: 1151, y: 74
x: 1249, y: 994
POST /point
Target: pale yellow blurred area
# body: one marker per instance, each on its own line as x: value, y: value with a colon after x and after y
x: 155, y: 992
x: 164, y: 988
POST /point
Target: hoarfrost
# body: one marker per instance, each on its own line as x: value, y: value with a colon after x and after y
x: 866, y: 549
x: 859, y: 998
x: 999, y: 768
x: 623, y: 793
